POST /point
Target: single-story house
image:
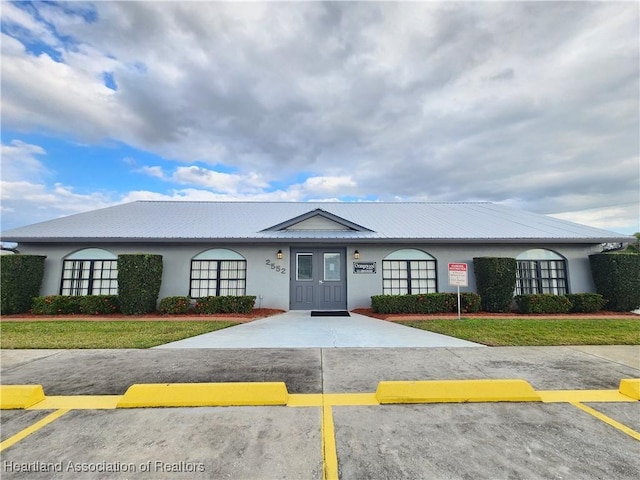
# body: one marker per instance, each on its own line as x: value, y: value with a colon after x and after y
x: 310, y: 255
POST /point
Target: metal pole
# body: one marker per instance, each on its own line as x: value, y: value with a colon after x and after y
x: 458, y: 302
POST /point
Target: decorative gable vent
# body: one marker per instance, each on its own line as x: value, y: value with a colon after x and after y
x: 318, y: 220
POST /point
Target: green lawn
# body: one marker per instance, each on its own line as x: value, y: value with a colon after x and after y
x: 107, y: 334
x: 488, y: 331
x: 536, y: 332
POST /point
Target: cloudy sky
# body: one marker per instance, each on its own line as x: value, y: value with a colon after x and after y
x: 532, y: 105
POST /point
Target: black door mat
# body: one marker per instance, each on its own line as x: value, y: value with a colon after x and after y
x: 330, y: 313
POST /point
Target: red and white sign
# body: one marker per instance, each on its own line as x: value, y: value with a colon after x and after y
x: 458, y: 274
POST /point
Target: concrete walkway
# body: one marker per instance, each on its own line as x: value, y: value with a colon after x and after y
x: 298, y: 329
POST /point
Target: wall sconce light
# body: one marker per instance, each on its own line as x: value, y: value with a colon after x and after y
x: 279, y: 255
x: 356, y: 254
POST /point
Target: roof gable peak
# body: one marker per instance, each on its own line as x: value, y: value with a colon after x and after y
x: 320, y: 220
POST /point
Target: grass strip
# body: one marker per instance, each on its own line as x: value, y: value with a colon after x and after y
x: 536, y: 332
x: 121, y: 334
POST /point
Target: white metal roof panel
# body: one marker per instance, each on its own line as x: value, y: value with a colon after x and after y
x: 153, y: 221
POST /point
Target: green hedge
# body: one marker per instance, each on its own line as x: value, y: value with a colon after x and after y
x: 617, y: 279
x: 469, y: 302
x: 543, y: 303
x: 139, y: 280
x: 55, y: 305
x: 496, y: 282
x: 425, y: 303
x: 20, y: 281
x: 225, y: 304
x: 174, y: 305
x: 99, y: 304
x: 65, y: 305
x: 586, y: 302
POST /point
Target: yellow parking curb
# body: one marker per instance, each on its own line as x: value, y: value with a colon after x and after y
x: 456, y: 391
x: 205, y: 394
x: 275, y: 393
x: 630, y: 387
x: 20, y: 396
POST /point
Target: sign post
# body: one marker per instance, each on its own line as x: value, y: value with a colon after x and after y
x: 459, y: 277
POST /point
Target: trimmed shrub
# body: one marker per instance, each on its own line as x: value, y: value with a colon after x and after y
x: 68, y: 305
x: 20, y: 281
x: 56, y: 305
x: 496, y: 282
x: 543, y: 303
x: 425, y: 303
x: 586, y: 302
x: 469, y: 302
x: 98, y: 304
x: 420, y: 303
x: 225, y: 304
x: 174, y: 305
x: 139, y: 280
x: 617, y: 279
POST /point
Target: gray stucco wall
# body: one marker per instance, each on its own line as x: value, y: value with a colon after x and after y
x: 271, y: 286
x: 361, y: 285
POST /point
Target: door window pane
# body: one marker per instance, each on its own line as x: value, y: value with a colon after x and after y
x: 304, y: 266
x: 332, y: 266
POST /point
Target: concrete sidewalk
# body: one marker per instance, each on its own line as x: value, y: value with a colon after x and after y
x: 298, y: 329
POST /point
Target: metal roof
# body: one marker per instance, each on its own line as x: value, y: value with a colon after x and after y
x: 160, y: 221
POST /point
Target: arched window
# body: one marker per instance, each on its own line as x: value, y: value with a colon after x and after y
x: 218, y: 272
x: 92, y: 271
x: 541, y: 271
x: 409, y: 271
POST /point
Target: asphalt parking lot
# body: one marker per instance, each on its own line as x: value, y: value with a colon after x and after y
x: 332, y: 423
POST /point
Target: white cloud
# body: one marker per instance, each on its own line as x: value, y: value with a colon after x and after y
x: 152, y: 171
x: 221, y: 182
x: 19, y: 160
x: 25, y: 195
x: 328, y: 185
x: 38, y: 202
x: 617, y: 218
x: 19, y: 22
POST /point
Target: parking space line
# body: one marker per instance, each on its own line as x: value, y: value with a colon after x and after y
x: 334, y: 399
x: 31, y: 429
x: 78, y: 402
x: 569, y: 396
x: 329, y: 449
x: 608, y: 420
x: 305, y: 400
x: 351, y: 399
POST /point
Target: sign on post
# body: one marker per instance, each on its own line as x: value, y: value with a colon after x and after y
x: 459, y: 277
